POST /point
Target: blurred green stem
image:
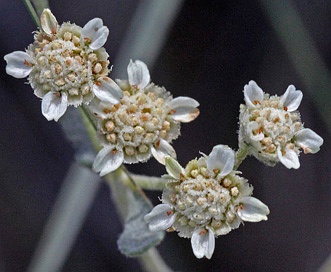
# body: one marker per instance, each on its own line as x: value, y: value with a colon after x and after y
x: 32, y: 12
x: 40, y: 5
x: 152, y: 261
x: 241, y: 154
x: 149, y: 183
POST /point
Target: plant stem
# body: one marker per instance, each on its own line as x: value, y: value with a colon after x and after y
x: 40, y: 5
x: 32, y: 12
x: 66, y: 219
x: 241, y: 154
x: 152, y: 261
x: 125, y: 201
x: 149, y: 183
x: 90, y: 126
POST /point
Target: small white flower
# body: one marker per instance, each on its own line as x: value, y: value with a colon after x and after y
x: 54, y: 105
x: 203, y: 243
x: 107, y: 90
x: 253, y: 94
x: 160, y: 218
x: 19, y: 64
x: 143, y: 124
x: 48, y: 22
x: 272, y: 128
x: 174, y: 169
x: 95, y: 34
x: 308, y: 140
x: 252, y: 209
x: 221, y: 160
x: 184, y: 109
x: 291, y: 99
x: 205, y: 200
x: 138, y: 74
x: 107, y: 160
x: 66, y: 65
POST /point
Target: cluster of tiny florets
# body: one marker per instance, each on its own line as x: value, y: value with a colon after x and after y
x: 201, y: 200
x: 269, y: 126
x: 65, y: 63
x: 138, y: 121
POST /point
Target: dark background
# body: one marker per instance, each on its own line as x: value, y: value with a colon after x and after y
x: 213, y: 49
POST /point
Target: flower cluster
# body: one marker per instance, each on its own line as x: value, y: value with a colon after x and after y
x: 272, y: 129
x: 205, y: 200
x: 66, y: 65
x: 208, y: 198
x: 136, y: 119
x: 145, y: 121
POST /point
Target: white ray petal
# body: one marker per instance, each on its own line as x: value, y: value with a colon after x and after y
x: 203, y: 243
x: 184, y: 109
x: 221, y: 160
x: 173, y: 168
x: 54, y: 105
x: 95, y: 33
x: 252, y: 210
x: 19, y: 64
x: 107, y: 160
x: 183, y: 101
x: 107, y: 90
x: 254, y: 127
x: 160, y: 218
x: 138, y: 74
x: 288, y: 157
x: 48, y: 22
x: 291, y: 99
x: 253, y: 94
x: 163, y: 149
x: 308, y: 140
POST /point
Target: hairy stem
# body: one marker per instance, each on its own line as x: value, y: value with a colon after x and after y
x: 241, y: 154
x: 149, y: 183
x: 90, y: 126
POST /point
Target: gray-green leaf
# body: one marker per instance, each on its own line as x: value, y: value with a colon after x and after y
x: 134, y: 205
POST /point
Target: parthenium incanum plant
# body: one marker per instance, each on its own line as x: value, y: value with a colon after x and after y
x: 135, y: 119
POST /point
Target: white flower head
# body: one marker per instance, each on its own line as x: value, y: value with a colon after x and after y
x: 205, y: 200
x: 65, y: 65
x: 143, y: 124
x: 271, y: 127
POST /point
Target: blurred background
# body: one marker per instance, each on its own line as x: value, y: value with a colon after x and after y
x: 210, y: 50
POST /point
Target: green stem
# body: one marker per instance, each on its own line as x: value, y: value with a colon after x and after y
x: 32, y: 12
x: 40, y: 5
x: 91, y: 128
x: 241, y: 154
x: 149, y: 183
x: 152, y: 261
x: 128, y: 180
x: 125, y: 200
